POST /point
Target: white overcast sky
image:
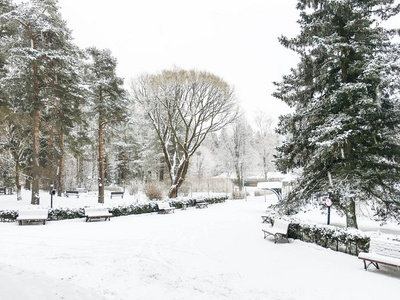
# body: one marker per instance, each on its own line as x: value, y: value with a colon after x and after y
x: 234, y: 39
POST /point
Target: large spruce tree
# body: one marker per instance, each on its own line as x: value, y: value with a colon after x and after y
x: 343, y: 132
x: 41, y: 64
x: 107, y: 101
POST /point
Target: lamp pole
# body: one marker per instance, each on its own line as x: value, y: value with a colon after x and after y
x: 52, y: 193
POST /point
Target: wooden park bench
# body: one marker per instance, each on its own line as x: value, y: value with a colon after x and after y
x: 381, y: 251
x: 120, y: 194
x: 279, y: 230
x: 97, y: 213
x: 164, y: 207
x: 201, y: 204
x: 72, y: 193
x: 33, y: 215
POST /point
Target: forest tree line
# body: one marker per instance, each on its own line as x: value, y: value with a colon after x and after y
x: 69, y: 121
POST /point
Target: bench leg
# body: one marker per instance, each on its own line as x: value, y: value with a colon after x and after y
x: 279, y: 236
x: 370, y: 263
x: 266, y: 234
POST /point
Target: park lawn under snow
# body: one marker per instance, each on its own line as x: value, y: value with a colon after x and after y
x: 214, y: 253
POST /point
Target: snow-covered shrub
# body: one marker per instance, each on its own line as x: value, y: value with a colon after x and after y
x: 238, y: 195
x: 178, y: 203
x: 134, y: 209
x: 66, y: 213
x: 153, y: 191
x: 134, y: 187
x: 347, y: 240
x: 8, y: 215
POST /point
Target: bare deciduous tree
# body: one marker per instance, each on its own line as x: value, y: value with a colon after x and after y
x: 184, y: 106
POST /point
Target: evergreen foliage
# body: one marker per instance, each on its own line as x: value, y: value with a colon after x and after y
x: 343, y: 133
x: 107, y: 101
x: 42, y: 77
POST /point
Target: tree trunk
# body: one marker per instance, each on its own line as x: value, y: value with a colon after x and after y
x: 101, y: 165
x: 173, y: 192
x: 239, y: 176
x: 60, y: 186
x: 265, y: 165
x: 35, y: 126
x: 351, y: 218
x: 35, y: 168
x: 17, y: 183
x: 179, y: 179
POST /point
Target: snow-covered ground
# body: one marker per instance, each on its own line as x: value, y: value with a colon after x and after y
x: 214, y: 253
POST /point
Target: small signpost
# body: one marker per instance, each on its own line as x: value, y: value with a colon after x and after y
x: 328, y: 203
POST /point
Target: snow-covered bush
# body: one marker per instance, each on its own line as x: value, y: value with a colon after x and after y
x: 347, y: 240
x: 153, y: 191
x: 8, y: 215
x: 66, y: 213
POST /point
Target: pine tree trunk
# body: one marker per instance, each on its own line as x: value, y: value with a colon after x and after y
x: 101, y: 165
x: 35, y: 126
x: 351, y: 218
x: 35, y: 168
x: 50, y: 165
x: 60, y: 186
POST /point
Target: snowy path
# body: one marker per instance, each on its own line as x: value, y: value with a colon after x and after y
x: 214, y: 253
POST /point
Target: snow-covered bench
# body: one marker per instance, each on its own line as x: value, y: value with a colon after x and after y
x: 279, y: 230
x: 72, y: 193
x: 97, y: 213
x: 201, y: 204
x: 381, y: 251
x: 32, y: 215
x: 164, y: 207
x: 119, y: 194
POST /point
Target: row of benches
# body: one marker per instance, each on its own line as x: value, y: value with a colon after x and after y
x: 76, y: 194
x: 41, y: 215
x: 381, y: 251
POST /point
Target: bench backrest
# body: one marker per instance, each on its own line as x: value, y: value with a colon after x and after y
x: 163, y: 205
x: 34, y: 213
x: 385, y: 247
x: 96, y: 210
x: 281, y: 226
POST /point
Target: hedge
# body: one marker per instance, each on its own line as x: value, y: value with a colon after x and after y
x: 134, y: 209
x: 347, y: 240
